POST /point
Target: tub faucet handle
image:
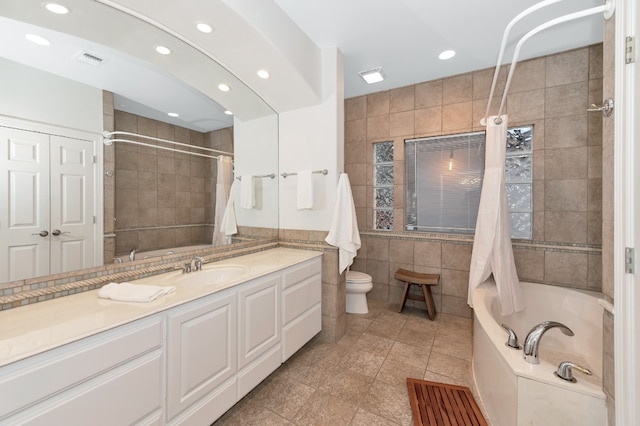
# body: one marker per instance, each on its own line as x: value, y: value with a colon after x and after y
x: 512, y: 341
x: 565, y: 371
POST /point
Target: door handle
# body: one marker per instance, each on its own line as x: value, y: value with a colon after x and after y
x: 57, y: 232
x: 42, y: 233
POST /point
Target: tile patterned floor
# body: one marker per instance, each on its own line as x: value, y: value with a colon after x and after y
x: 361, y: 379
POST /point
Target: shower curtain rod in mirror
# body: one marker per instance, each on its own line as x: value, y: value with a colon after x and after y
x: 108, y: 141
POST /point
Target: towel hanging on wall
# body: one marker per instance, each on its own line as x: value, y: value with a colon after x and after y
x: 223, y: 188
x: 247, y: 192
x: 344, y: 232
x: 305, y: 190
x: 228, y: 224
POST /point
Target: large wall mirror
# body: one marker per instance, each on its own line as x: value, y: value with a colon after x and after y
x: 101, y: 71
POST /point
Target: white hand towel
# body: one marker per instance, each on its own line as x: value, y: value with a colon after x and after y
x: 344, y: 232
x: 305, y: 189
x: 127, y: 292
x: 247, y: 193
x: 228, y: 225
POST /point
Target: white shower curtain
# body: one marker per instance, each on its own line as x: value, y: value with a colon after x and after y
x: 492, y: 251
x: 223, y: 186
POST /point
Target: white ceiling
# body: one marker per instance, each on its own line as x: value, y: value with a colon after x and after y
x: 403, y: 36
x: 406, y: 36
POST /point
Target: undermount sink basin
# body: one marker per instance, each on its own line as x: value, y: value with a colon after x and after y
x: 212, y: 275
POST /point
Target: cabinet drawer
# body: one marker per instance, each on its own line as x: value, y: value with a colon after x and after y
x: 295, y: 274
x: 259, y: 370
x: 129, y: 394
x: 26, y: 382
x: 300, y: 297
x: 300, y: 331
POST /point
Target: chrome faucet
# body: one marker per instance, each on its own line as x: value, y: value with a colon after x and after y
x: 132, y: 255
x: 198, y: 261
x: 532, y: 340
x: 197, y: 264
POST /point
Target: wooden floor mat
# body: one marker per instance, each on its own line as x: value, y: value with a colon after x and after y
x: 441, y: 404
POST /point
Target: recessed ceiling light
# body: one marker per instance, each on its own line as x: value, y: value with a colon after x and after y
x: 56, y: 8
x: 33, y: 38
x: 173, y: 114
x: 447, y: 54
x: 223, y: 87
x: 372, y: 76
x: 204, y: 27
x: 228, y: 112
x: 163, y: 50
x: 263, y: 74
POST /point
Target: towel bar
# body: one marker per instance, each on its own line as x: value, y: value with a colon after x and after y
x: 323, y: 171
x: 270, y: 176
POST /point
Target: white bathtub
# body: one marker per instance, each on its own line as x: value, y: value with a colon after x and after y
x: 156, y: 253
x: 515, y: 392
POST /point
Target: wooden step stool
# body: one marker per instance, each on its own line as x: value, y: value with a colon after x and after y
x: 423, y: 280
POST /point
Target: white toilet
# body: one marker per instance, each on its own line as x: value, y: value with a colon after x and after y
x: 357, y: 287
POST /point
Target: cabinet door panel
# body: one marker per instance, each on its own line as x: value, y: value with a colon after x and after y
x: 24, y: 204
x: 71, y: 204
x: 201, y: 351
x: 259, y: 313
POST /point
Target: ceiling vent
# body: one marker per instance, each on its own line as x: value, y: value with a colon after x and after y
x: 89, y: 58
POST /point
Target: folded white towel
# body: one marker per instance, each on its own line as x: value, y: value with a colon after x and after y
x: 247, y: 193
x: 305, y: 189
x: 344, y: 232
x: 127, y: 292
x: 228, y: 225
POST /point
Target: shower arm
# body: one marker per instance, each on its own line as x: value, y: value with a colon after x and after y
x: 607, y: 8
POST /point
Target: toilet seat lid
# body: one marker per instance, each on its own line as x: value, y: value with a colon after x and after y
x: 358, y: 277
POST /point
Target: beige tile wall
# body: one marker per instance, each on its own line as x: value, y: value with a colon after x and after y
x: 552, y: 93
x: 163, y: 199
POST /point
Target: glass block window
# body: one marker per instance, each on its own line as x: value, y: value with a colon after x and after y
x: 383, y: 186
x: 519, y: 180
x: 444, y: 180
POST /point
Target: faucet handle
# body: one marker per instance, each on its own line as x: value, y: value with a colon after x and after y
x: 565, y: 371
x: 512, y: 341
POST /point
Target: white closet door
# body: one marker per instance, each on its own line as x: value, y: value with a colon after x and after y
x: 24, y: 204
x: 72, y: 204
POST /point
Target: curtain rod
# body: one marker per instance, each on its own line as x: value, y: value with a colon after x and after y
x: 607, y: 8
x: 108, y: 142
x: 107, y: 136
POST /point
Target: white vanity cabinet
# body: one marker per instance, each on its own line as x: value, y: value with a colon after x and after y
x: 114, y: 377
x: 201, y: 358
x: 185, y: 364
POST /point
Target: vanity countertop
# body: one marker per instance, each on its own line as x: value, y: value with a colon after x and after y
x: 35, y: 328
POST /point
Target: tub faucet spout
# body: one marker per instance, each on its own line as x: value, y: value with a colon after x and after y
x: 533, y: 339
